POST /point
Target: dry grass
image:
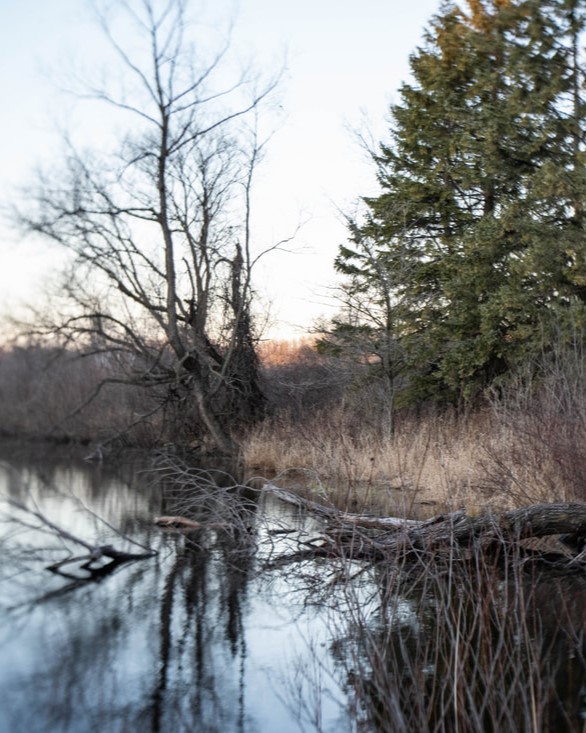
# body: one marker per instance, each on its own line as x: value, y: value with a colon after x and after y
x: 526, y: 444
x: 467, y: 645
x: 430, y: 460
x: 489, y: 458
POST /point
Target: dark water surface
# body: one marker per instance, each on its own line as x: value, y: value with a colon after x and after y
x: 194, y: 639
x: 209, y: 636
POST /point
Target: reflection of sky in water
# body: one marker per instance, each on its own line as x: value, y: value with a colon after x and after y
x: 184, y: 641
x: 198, y: 639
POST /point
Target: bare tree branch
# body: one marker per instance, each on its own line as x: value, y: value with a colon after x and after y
x: 163, y: 228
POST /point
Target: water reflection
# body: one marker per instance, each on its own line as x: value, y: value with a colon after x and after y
x: 467, y: 642
x: 193, y: 640
x: 201, y: 639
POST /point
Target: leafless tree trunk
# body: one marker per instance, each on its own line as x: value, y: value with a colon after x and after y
x: 160, y: 231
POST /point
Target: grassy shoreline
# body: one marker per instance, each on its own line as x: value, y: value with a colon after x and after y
x: 326, y: 433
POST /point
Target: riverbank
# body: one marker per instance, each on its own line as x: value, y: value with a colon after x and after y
x: 327, y: 432
x: 490, y: 458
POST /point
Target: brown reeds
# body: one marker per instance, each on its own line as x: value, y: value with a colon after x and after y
x: 523, y: 443
x: 426, y: 461
x: 466, y: 644
x: 327, y: 429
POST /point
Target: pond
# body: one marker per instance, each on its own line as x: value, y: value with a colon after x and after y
x: 194, y: 639
x: 217, y: 633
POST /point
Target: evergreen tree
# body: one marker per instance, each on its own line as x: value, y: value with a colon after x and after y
x: 480, y: 222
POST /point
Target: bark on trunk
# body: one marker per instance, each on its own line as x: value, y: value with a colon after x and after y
x: 362, y: 537
x: 223, y: 441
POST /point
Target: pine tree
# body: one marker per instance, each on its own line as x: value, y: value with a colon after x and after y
x: 483, y: 180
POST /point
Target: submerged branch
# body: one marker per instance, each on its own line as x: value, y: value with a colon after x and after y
x: 93, y: 561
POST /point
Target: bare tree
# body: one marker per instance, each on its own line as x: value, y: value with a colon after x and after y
x: 160, y: 230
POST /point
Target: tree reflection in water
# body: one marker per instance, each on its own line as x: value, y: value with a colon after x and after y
x: 182, y: 642
x: 201, y: 638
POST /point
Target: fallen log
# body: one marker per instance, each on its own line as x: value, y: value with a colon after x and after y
x: 177, y: 522
x: 184, y: 523
x: 364, y: 537
x: 327, y: 512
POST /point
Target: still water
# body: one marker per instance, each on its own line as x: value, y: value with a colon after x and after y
x: 214, y: 634
x: 197, y: 638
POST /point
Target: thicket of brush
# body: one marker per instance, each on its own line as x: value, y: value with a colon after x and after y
x: 327, y: 425
x: 56, y: 394
x: 465, y: 643
x: 522, y: 443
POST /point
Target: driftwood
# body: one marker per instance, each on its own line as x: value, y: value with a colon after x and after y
x: 184, y: 523
x: 176, y: 522
x: 327, y: 512
x: 363, y: 537
x: 100, y: 560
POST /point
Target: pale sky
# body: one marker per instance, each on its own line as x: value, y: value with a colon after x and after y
x: 344, y: 58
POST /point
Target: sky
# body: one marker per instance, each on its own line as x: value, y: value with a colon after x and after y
x: 345, y: 61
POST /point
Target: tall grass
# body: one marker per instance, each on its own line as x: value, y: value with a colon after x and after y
x: 524, y: 443
x: 459, y: 643
x: 541, y: 417
x: 429, y: 460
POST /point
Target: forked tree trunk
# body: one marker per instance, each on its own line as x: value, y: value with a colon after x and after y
x: 222, y: 440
